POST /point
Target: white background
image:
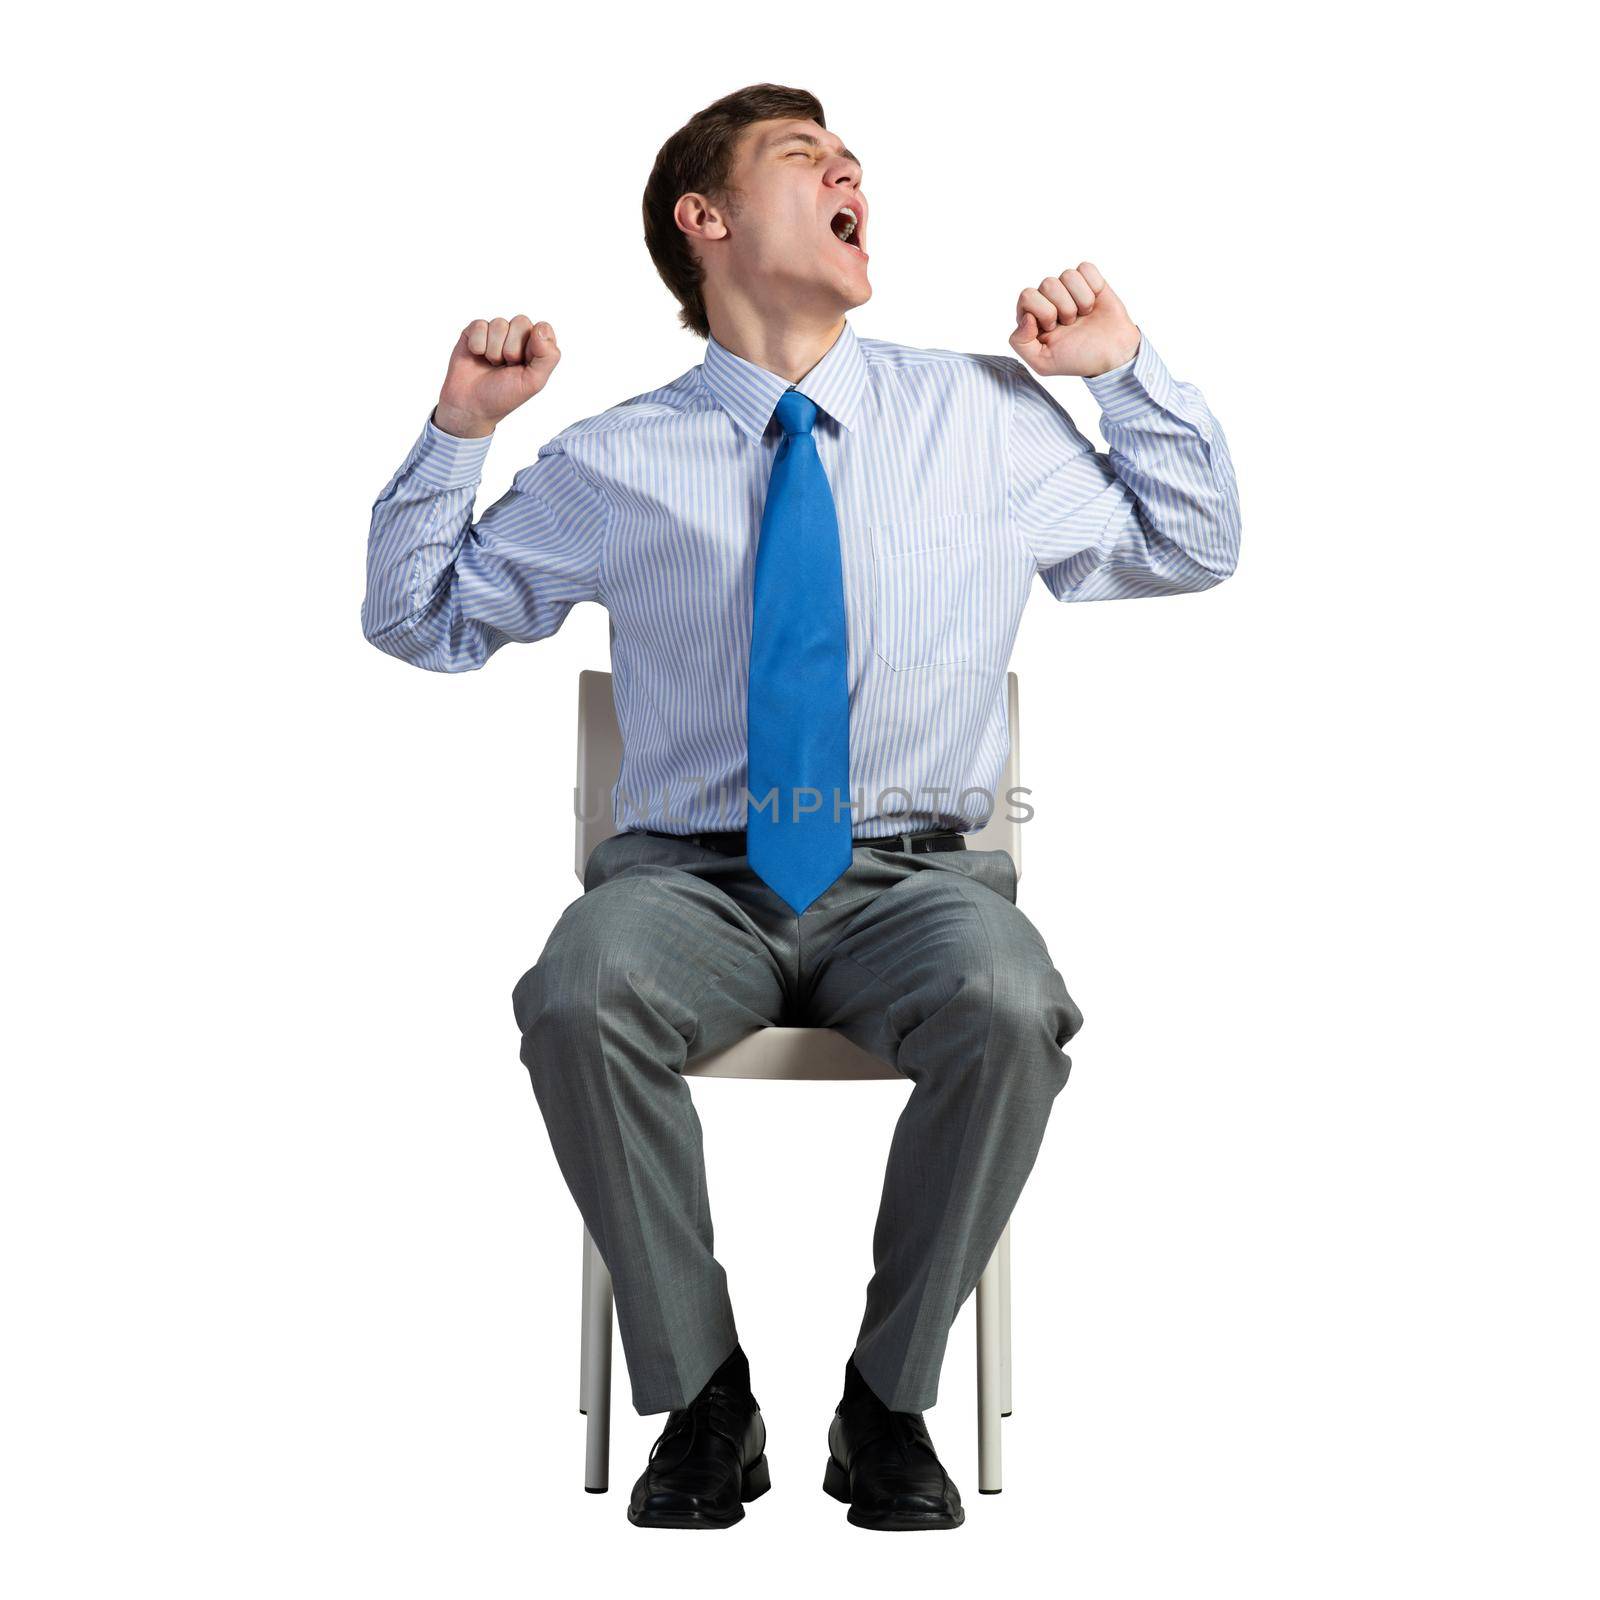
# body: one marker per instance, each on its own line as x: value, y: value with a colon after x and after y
x: 1305, y: 1273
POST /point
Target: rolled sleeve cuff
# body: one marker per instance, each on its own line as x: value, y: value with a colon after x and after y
x: 446, y: 462
x: 1135, y: 386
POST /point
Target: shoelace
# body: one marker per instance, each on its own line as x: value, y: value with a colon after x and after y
x: 903, y: 1431
x: 718, y: 1405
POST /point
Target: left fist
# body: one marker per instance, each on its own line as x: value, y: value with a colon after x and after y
x: 1074, y: 326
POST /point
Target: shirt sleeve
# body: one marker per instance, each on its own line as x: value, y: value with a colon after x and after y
x: 444, y: 592
x: 1157, y: 513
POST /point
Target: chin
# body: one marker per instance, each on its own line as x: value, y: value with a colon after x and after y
x: 856, y: 293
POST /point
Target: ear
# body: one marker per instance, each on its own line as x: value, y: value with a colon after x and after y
x: 699, y: 218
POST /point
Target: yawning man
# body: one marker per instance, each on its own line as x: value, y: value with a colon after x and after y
x: 814, y: 548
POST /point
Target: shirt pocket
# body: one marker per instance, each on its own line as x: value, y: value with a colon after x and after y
x: 926, y: 572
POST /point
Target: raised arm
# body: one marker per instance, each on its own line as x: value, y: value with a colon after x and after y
x: 1158, y: 513
x: 443, y: 592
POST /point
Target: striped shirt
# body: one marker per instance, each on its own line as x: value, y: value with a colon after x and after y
x: 956, y: 478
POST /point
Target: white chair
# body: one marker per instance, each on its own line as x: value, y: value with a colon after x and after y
x: 789, y: 1053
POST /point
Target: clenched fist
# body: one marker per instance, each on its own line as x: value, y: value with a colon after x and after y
x: 494, y: 367
x: 1074, y: 326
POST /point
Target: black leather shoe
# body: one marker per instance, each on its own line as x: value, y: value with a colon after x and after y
x: 709, y: 1461
x: 882, y: 1464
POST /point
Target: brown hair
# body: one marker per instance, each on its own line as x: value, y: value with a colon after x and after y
x: 698, y: 159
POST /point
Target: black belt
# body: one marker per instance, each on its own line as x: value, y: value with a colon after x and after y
x: 731, y: 842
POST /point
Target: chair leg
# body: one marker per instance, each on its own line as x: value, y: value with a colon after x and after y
x: 597, y: 1370
x: 989, y: 1377
x: 583, y: 1333
x: 1005, y: 1320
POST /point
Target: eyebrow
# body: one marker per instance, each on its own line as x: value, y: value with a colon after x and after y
x: 812, y: 139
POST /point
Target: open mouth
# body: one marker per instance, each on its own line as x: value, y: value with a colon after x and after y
x: 848, y: 229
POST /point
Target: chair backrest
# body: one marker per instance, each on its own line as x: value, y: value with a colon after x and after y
x: 600, y: 762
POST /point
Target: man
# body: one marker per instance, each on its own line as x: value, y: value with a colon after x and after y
x: 815, y: 549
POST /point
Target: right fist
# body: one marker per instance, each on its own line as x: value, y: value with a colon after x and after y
x: 495, y: 366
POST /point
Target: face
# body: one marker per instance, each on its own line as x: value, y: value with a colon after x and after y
x: 784, y: 240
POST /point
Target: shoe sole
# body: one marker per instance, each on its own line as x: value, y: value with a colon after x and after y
x: 836, y: 1481
x: 755, y: 1482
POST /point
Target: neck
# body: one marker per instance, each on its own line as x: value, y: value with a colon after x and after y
x: 790, y: 348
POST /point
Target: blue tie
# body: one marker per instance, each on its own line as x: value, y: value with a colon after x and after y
x: 799, y: 696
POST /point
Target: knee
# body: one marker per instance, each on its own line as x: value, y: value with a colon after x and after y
x: 588, y: 968
x: 1017, y: 998
x: 1025, y: 1010
x: 527, y: 1003
x: 550, y: 992
x: 1061, y: 1011
x: 556, y: 1010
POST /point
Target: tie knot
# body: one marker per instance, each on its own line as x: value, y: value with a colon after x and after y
x: 795, y: 413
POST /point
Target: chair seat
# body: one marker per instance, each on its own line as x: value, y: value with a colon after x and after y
x: 818, y: 1055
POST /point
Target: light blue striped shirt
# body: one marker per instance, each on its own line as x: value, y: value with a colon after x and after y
x: 957, y: 477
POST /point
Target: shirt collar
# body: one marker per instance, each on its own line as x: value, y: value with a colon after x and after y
x: 749, y: 393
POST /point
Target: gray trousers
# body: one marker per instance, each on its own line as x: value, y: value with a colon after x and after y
x: 673, y: 952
